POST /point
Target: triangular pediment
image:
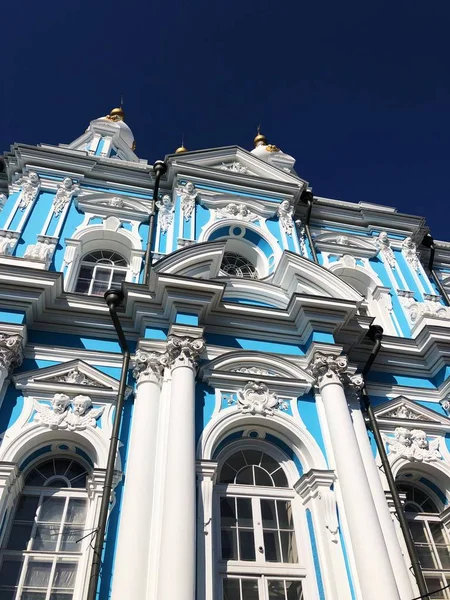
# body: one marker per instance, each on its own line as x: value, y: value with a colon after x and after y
x: 73, y: 377
x: 408, y: 412
x: 237, y: 162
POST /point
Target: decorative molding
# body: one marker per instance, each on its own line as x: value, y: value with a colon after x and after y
x: 430, y: 308
x: 184, y: 351
x: 404, y: 412
x: 445, y: 405
x: 58, y: 415
x: 235, y: 167
x: 64, y: 193
x: 31, y: 185
x: 328, y: 369
x: 238, y: 211
x: 77, y: 377
x: 42, y: 251
x: 166, y: 208
x: 409, y: 251
x: 149, y: 366
x: 3, y: 200
x: 256, y: 399
x: 252, y: 371
x: 8, y: 241
x: 188, y: 194
x: 413, y: 445
x: 11, y: 354
x: 301, y: 237
x: 285, y: 212
x: 384, y: 245
x: 316, y: 485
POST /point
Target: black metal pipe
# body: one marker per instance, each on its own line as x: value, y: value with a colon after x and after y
x: 428, y: 242
x: 159, y: 168
x: 113, y: 298
x: 308, y: 198
x: 376, y: 335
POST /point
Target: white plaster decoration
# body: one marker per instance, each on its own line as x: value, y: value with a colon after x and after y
x: 166, y: 209
x: 234, y: 167
x: 431, y: 307
x: 238, y: 211
x: 446, y: 405
x: 3, y: 199
x: 404, y: 412
x: 149, y: 366
x: 11, y: 355
x: 8, y: 240
x: 30, y: 188
x: 384, y: 246
x: 58, y: 415
x: 328, y: 369
x: 413, y: 445
x: 184, y: 351
x: 285, y: 212
x: 64, y: 193
x: 75, y: 376
x: 183, y: 242
x: 256, y: 399
x: 188, y: 194
x: 252, y: 371
x: 409, y: 251
x: 42, y: 251
x: 301, y: 237
x: 206, y: 474
x: 343, y: 240
x: 116, y: 202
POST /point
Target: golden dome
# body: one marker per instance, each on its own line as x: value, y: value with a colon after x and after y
x: 117, y: 114
x: 260, y: 139
x: 181, y: 149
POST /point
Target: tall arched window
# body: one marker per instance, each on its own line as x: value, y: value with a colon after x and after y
x: 99, y: 271
x: 431, y: 538
x: 41, y: 551
x: 258, y: 557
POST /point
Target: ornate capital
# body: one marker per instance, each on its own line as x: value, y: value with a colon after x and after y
x: 11, y: 355
x: 328, y: 369
x: 149, y: 366
x: 184, y: 351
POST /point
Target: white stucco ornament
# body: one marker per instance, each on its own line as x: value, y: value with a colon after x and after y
x: 235, y: 167
x: 256, y: 399
x: 413, y: 445
x: 409, y: 251
x: 184, y: 351
x: 42, y: 251
x: 75, y: 376
x: 7, y: 243
x: 64, y: 193
x: 149, y: 366
x: 431, y: 307
x: 404, y: 412
x: 285, y: 212
x: 30, y: 189
x: 58, y: 415
x: 188, y: 194
x: 166, y: 208
x: 240, y: 212
x: 3, y: 199
x: 328, y: 368
x: 384, y: 245
x: 10, y: 351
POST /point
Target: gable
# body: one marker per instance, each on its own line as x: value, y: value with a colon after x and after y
x: 405, y: 411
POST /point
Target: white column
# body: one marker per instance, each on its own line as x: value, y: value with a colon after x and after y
x: 375, y: 574
x: 178, y: 548
x: 133, y: 545
x: 206, y: 473
x: 384, y: 514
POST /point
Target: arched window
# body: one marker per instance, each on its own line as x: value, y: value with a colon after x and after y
x: 236, y: 265
x: 99, y: 271
x: 42, y: 549
x: 430, y: 536
x: 258, y: 557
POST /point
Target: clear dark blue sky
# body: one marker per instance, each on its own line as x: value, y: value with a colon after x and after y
x: 357, y: 91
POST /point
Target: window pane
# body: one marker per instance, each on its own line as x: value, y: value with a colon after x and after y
x: 227, y: 474
x: 84, y: 279
x: 249, y: 589
x: 285, y: 514
x: 418, y: 531
x: 65, y: 575
x: 245, y: 516
x: 20, y: 536
x: 425, y: 557
x: 229, y: 544
x: 46, y: 537
x: 268, y: 514
x: 294, y: 590
x: 71, y: 538
x: 269, y: 463
x: 10, y: 571
x: 245, y: 476
x: 61, y: 596
x: 236, y: 461
x: 76, y: 512
x: 289, y: 547
x: 276, y: 590
x: 227, y: 512
x: 252, y: 457
x: 272, y: 546
x: 231, y: 589
x: 38, y: 574
x: 444, y: 556
x: 52, y: 509
x: 117, y: 278
x: 7, y: 594
x: 435, y: 583
x: 26, y: 510
x: 246, y: 544
x: 262, y: 477
x: 35, y: 478
x: 33, y: 596
x: 437, y: 532
x: 279, y: 478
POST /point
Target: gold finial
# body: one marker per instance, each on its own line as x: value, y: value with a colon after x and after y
x: 260, y: 139
x: 181, y: 148
x: 117, y: 114
x: 133, y: 145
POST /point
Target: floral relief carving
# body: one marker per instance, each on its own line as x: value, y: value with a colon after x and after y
x: 233, y: 210
x: 64, y: 193
x: 3, y: 199
x: 251, y: 371
x: 42, y: 251
x: 403, y: 412
x: 413, y: 445
x: 301, y: 237
x: 76, y: 377
x: 58, y: 415
x: 430, y: 307
x: 285, y: 212
x: 409, y: 251
x: 166, y: 208
x: 8, y: 240
x: 235, y: 167
x: 256, y: 399
x: 188, y: 194
x: 384, y: 245
x: 149, y: 366
x: 184, y: 351
x: 11, y: 354
x: 328, y: 369
x: 30, y: 189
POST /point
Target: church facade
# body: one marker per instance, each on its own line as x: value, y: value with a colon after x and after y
x: 245, y: 469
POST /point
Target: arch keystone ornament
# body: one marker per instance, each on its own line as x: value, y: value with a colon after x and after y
x: 256, y: 399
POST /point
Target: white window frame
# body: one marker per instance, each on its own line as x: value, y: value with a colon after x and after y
x: 101, y: 265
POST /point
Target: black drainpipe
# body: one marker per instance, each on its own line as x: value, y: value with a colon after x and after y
x: 113, y: 298
x: 428, y: 242
x: 159, y: 168
x: 308, y: 199
x: 376, y: 335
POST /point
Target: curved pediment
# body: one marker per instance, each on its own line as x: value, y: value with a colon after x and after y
x: 104, y: 204
x: 342, y: 243
x: 201, y: 261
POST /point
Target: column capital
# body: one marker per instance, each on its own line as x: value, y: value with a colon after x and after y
x: 149, y: 366
x: 327, y: 368
x: 316, y: 485
x: 184, y: 351
x: 11, y: 354
x: 206, y: 470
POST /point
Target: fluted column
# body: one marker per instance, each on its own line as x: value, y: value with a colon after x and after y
x: 10, y: 354
x: 131, y: 564
x: 178, y: 548
x: 384, y: 514
x: 375, y: 574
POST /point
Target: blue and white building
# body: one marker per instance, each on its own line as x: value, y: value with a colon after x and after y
x: 245, y: 470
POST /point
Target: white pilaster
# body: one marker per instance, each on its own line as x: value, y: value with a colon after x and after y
x: 384, y: 514
x: 131, y: 564
x: 178, y: 547
x: 206, y: 473
x: 11, y: 356
x: 374, y: 570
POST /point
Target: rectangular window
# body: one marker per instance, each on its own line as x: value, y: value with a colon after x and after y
x: 261, y: 588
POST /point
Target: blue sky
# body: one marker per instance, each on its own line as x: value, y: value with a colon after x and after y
x: 358, y: 92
